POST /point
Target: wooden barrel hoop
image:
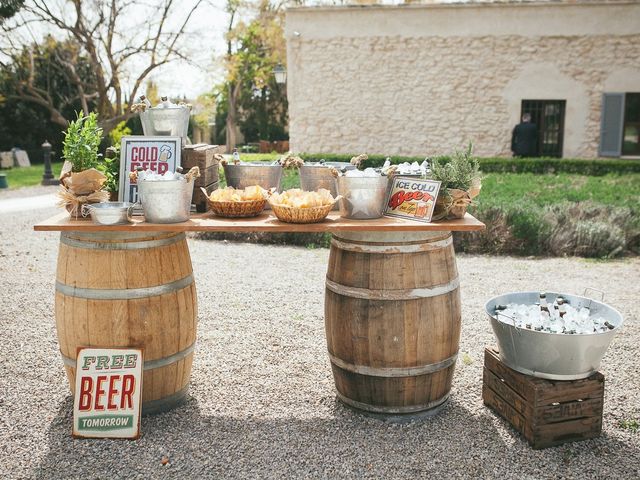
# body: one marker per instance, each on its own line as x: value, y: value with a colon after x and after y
x: 130, y: 289
x: 392, y: 319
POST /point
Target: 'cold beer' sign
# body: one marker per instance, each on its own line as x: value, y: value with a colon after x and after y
x: 412, y: 198
x: 158, y: 154
x: 108, y: 393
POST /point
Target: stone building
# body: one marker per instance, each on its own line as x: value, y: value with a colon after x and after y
x: 427, y: 79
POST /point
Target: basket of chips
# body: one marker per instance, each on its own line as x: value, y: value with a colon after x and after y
x: 298, y: 206
x: 234, y: 203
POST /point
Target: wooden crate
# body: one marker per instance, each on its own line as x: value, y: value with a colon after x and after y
x: 545, y: 412
x: 204, y: 157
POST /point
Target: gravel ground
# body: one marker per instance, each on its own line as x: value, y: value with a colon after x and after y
x: 262, y: 403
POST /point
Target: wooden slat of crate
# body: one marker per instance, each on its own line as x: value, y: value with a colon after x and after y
x: 200, y: 199
x: 546, y: 412
x: 204, y: 157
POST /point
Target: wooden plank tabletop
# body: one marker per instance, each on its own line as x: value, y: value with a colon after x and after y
x: 266, y: 222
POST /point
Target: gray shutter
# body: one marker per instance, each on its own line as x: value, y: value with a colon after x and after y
x: 611, y: 122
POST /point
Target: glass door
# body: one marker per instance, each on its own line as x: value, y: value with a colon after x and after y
x: 631, y: 128
x: 548, y: 115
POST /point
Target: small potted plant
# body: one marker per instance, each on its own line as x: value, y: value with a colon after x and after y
x: 460, y: 183
x: 81, y: 180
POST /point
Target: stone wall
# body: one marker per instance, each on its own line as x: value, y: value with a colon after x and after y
x: 426, y: 80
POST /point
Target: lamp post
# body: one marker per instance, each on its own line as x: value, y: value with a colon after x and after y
x: 280, y: 73
x: 47, y: 177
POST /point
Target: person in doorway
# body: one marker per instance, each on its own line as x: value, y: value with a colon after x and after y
x: 524, y: 139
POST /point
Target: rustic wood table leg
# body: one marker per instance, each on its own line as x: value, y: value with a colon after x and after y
x: 392, y: 318
x: 120, y: 289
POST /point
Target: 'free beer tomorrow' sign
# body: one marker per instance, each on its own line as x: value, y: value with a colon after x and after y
x: 108, y: 393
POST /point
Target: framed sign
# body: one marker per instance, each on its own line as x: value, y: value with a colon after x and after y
x: 108, y: 394
x: 158, y: 154
x: 412, y: 199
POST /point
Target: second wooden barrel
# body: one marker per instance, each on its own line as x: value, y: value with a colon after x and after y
x: 130, y: 289
x: 392, y: 319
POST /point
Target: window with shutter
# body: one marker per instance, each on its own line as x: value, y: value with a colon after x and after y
x: 611, y: 123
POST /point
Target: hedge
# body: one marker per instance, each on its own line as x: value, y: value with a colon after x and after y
x: 595, y: 167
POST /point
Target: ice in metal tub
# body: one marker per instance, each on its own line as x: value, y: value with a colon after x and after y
x: 362, y: 197
x: 166, y: 201
x: 551, y: 355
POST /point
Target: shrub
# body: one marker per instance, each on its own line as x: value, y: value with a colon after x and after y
x: 595, y: 167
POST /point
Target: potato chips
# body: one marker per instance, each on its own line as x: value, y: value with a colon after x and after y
x: 297, y: 198
x: 230, y: 194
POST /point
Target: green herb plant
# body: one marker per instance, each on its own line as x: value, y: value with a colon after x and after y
x: 111, y: 168
x: 82, y: 141
x: 460, y: 172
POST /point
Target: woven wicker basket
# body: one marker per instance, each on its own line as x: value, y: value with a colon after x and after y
x: 301, y: 215
x: 249, y: 208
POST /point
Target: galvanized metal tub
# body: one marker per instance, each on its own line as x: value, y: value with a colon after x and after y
x: 550, y: 355
x: 166, y: 201
x: 170, y: 121
x: 315, y: 176
x: 363, y: 198
x: 249, y: 174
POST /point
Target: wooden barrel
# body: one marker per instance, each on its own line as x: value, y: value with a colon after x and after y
x: 124, y: 289
x: 392, y: 319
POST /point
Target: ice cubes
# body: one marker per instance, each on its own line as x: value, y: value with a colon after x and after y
x: 531, y: 317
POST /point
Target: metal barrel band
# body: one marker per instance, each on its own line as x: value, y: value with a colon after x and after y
x: 415, y: 247
x: 134, y: 245
x: 385, y: 294
x: 148, y: 364
x: 166, y: 403
x: 394, y: 372
x: 123, y: 294
x: 392, y: 410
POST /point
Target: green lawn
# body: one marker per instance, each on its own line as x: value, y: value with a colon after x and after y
x: 29, y: 176
x: 503, y: 189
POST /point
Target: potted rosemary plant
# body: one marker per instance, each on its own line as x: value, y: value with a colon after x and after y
x: 460, y: 183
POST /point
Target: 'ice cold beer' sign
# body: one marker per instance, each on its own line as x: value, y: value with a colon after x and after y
x: 158, y: 154
x: 412, y: 198
x: 108, y: 393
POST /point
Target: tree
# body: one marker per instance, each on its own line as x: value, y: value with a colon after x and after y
x: 41, y: 67
x: 253, y: 99
x: 111, y: 35
x: 8, y: 8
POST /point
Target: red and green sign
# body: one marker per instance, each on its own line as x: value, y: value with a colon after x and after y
x: 108, y: 393
x: 412, y: 199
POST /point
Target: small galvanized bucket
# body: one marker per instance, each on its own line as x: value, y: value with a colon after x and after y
x: 363, y: 198
x: 166, y: 201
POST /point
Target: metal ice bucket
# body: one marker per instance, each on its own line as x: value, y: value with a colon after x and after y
x: 249, y: 174
x: 169, y: 121
x: 314, y: 176
x: 363, y: 198
x: 166, y: 201
x: 551, y: 355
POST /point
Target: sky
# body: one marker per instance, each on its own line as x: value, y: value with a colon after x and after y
x: 204, y: 44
